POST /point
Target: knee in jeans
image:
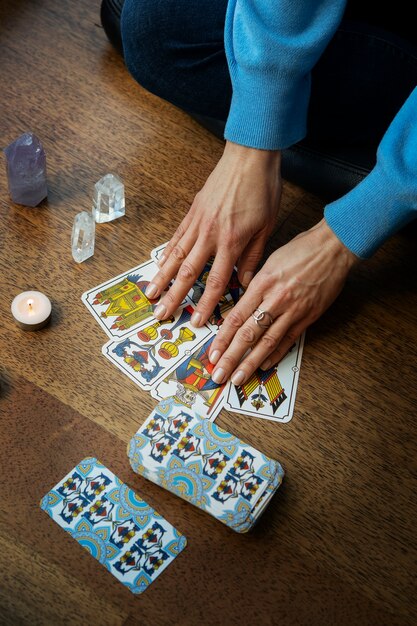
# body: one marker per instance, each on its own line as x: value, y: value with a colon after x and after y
x: 143, y: 42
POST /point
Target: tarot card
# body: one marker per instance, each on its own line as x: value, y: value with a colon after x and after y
x: 147, y: 355
x: 191, y: 384
x: 117, y: 527
x: 269, y: 394
x: 120, y: 305
x: 192, y: 457
x: 157, y: 252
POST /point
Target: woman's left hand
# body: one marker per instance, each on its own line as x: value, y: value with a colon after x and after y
x: 296, y: 285
x: 230, y: 220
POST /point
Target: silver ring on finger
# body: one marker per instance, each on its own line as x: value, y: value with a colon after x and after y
x: 263, y: 318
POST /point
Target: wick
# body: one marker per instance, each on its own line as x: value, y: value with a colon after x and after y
x: 30, y: 302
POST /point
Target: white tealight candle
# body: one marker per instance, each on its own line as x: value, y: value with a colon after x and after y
x: 31, y: 310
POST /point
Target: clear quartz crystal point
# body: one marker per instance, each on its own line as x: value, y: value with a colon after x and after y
x: 83, y: 236
x: 26, y: 170
x: 109, y: 199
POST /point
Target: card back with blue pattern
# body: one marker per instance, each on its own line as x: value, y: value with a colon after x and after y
x: 117, y: 527
x: 202, y: 463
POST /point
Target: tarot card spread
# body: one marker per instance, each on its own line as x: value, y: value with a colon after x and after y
x: 117, y: 527
x: 169, y: 358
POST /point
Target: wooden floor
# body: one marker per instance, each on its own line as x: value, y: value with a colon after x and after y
x: 337, y: 544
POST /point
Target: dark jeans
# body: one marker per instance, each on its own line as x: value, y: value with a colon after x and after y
x: 175, y: 49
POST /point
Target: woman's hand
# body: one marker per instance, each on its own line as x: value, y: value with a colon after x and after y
x: 295, y: 286
x: 230, y: 219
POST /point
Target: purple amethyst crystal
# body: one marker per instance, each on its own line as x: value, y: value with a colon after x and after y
x: 26, y: 170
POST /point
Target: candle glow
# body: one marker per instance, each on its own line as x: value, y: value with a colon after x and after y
x: 31, y: 310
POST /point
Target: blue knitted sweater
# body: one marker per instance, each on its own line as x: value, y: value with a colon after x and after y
x: 271, y: 47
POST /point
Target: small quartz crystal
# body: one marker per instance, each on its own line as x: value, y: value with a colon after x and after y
x: 109, y: 199
x: 83, y: 236
x: 26, y: 170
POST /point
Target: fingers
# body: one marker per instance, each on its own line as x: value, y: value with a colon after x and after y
x: 237, y: 317
x: 240, y: 332
x: 173, y: 261
x: 287, y: 341
x: 177, y: 236
x: 189, y: 271
x: 266, y: 344
x: 215, y: 287
x: 250, y: 258
x: 239, y: 367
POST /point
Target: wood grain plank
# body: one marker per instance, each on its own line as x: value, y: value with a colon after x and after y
x: 337, y: 544
x: 29, y: 575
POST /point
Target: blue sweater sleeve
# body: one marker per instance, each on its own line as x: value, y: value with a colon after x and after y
x: 386, y: 200
x: 271, y: 47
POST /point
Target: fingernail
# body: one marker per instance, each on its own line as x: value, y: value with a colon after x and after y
x: 151, y: 290
x: 218, y: 375
x: 214, y: 356
x: 266, y: 364
x: 196, y: 319
x: 161, y: 260
x: 247, y: 277
x: 238, y: 378
x: 160, y: 311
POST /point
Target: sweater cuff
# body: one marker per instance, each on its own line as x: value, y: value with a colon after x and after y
x: 369, y: 214
x: 267, y: 113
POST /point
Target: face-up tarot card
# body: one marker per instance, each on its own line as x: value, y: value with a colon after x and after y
x: 117, y: 527
x: 190, y: 383
x: 204, y: 464
x: 149, y: 354
x: 269, y: 394
x: 120, y: 305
